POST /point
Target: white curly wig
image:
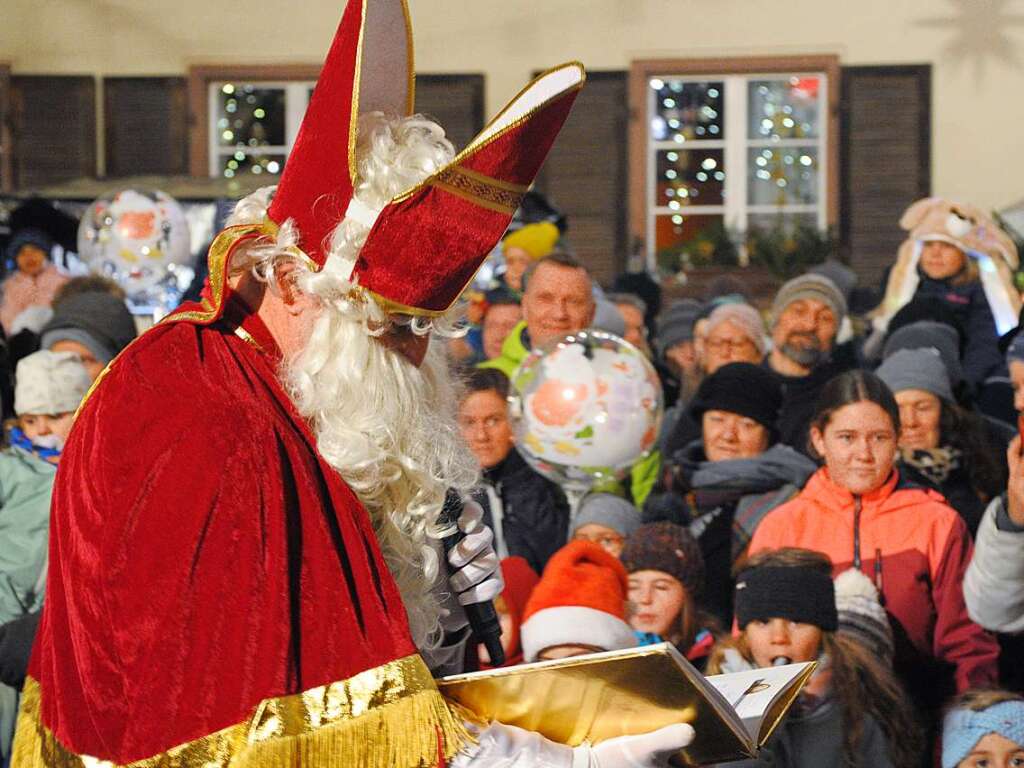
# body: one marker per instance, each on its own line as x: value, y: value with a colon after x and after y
x: 385, y: 425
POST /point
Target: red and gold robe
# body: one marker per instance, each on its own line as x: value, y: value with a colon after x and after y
x: 216, y: 593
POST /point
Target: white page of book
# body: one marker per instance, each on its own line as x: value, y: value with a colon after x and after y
x: 752, y: 692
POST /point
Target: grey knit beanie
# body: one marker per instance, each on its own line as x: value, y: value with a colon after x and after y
x: 917, y: 369
x: 929, y: 334
x: 810, y: 286
x: 1015, y: 352
x: 676, y: 324
x: 99, y: 321
x: 861, y: 615
x: 744, y: 317
x: 608, y: 510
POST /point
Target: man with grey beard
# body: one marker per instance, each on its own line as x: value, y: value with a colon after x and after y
x: 806, y: 315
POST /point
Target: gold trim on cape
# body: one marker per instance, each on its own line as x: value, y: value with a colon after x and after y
x: 386, y: 717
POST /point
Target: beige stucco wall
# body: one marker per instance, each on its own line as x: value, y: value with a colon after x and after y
x: 975, y: 46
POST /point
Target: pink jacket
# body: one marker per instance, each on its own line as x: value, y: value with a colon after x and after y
x: 21, y: 292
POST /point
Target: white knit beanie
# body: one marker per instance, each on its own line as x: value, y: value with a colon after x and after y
x: 861, y: 615
x: 50, y: 383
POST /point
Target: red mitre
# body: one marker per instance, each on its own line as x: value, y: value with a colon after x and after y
x: 426, y: 244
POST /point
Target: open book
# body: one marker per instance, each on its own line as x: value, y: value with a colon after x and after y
x: 616, y: 693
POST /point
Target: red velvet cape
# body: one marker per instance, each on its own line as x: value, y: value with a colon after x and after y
x: 203, y: 557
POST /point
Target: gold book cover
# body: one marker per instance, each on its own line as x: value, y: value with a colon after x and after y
x: 603, y: 695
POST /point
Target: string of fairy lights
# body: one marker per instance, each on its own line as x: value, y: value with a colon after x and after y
x: 688, y: 134
x: 251, y: 125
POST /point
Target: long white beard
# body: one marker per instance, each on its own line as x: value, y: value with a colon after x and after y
x: 389, y: 430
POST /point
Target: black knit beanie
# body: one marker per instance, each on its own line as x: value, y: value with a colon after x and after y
x: 744, y: 388
x: 797, y: 593
x: 29, y: 236
x: 666, y: 547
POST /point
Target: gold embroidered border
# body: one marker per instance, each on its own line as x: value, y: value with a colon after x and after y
x: 384, y: 717
x: 492, y: 194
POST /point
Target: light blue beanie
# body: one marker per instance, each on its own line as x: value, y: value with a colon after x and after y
x: 964, y: 728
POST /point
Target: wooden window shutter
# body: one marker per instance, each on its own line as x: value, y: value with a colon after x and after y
x: 146, y: 125
x: 6, y: 147
x: 885, y: 160
x: 585, y: 176
x: 53, y: 122
x: 455, y: 102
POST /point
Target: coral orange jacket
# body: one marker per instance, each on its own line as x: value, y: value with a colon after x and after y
x: 916, y: 549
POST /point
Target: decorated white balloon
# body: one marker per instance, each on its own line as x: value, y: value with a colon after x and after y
x: 139, y: 239
x: 585, y: 408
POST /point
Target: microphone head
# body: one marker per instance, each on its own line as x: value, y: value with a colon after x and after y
x: 451, y: 511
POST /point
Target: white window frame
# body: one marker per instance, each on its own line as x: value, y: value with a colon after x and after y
x: 735, y: 208
x: 296, y: 99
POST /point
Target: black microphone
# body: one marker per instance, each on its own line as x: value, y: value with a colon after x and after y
x: 483, y: 619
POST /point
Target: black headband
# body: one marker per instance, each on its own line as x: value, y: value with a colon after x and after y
x: 795, y: 593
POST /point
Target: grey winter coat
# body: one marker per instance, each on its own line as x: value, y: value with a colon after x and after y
x: 994, y: 584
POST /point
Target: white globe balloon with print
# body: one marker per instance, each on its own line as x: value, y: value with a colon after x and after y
x: 138, y: 239
x: 585, y: 408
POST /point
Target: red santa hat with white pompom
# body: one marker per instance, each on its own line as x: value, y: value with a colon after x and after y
x: 580, y: 600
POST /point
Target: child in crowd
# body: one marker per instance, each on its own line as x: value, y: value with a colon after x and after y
x: 520, y: 579
x: 957, y: 254
x: 36, y: 280
x: 578, y: 606
x: 606, y: 519
x: 853, y: 712
x: 50, y: 387
x: 984, y: 729
x: 96, y: 325
x: 666, y: 584
x: 523, y: 247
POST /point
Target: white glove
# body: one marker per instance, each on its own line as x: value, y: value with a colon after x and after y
x: 505, y: 746
x: 477, y: 577
x: 646, y: 750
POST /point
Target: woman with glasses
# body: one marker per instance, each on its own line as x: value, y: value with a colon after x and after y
x: 734, y: 334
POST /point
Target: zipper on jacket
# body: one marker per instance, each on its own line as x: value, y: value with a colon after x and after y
x: 878, y: 576
x: 856, y: 532
x: 856, y: 551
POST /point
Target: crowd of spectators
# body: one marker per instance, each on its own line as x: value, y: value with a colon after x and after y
x: 827, y: 486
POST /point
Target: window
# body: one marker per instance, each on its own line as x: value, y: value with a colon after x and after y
x: 248, y: 117
x: 253, y: 124
x: 721, y: 152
